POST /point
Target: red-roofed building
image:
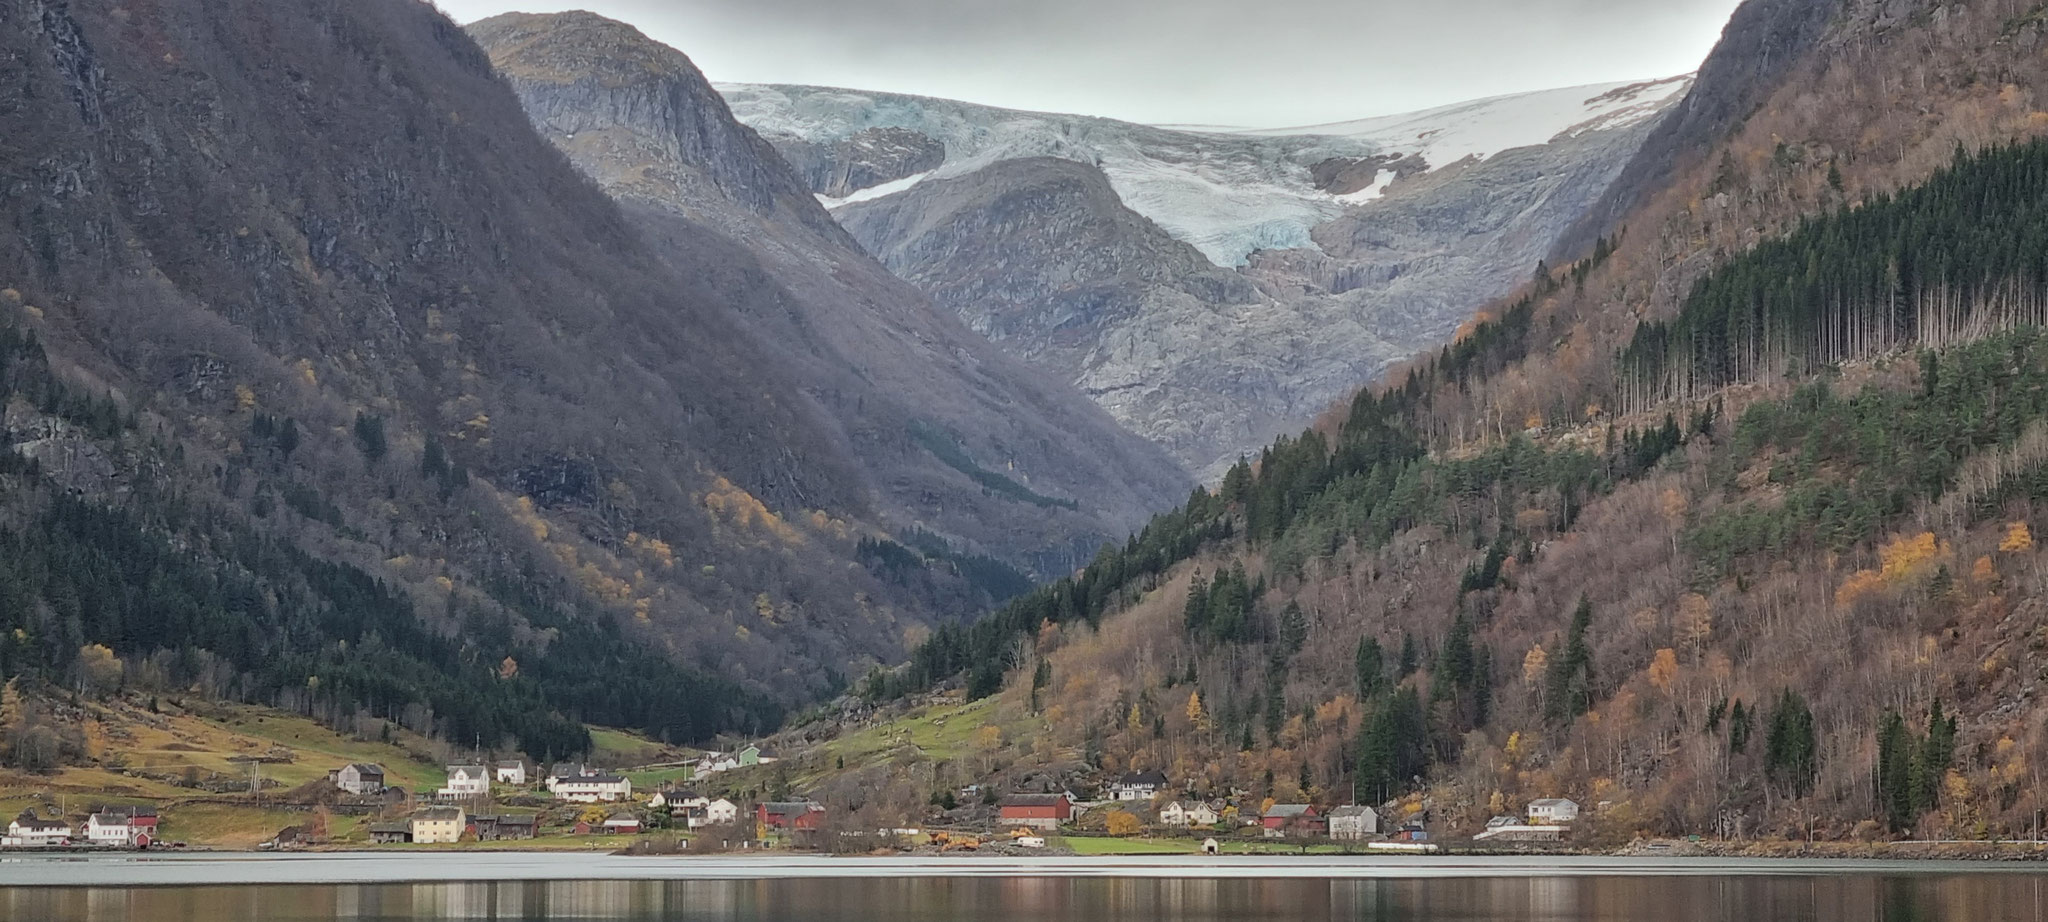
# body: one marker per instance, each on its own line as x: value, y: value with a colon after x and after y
x: 790, y: 816
x: 1037, y: 811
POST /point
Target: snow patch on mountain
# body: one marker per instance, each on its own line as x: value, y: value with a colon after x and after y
x: 874, y: 192
x: 1227, y: 193
x: 1380, y: 182
x: 1485, y: 127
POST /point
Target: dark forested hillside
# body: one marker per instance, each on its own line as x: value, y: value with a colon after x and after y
x: 337, y: 387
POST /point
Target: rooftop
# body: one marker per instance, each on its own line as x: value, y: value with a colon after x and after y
x: 1034, y: 800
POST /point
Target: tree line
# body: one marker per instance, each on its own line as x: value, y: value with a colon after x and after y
x: 1962, y: 254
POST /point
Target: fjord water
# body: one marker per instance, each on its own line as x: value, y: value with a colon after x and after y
x: 1472, y: 891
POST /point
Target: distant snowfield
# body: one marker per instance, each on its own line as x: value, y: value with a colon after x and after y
x: 1226, y: 192
x: 1485, y: 127
x: 427, y: 867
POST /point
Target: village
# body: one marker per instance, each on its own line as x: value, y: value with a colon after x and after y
x: 504, y: 802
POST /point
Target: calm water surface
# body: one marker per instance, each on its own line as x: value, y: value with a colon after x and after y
x: 1472, y: 891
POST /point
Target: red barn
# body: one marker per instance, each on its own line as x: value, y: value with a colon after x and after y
x: 1293, y: 820
x: 1038, y: 811
x: 789, y: 815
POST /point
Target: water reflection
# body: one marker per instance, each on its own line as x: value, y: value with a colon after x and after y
x: 1846, y: 898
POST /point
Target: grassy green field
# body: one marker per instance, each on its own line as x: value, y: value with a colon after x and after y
x: 653, y: 779
x: 1105, y: 845
x: 612, y: 747
x: 941, y: 733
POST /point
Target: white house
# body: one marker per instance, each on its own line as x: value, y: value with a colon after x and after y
x: 1353, y: 823
x: 29, y: 831
x: 721, y: 812
x: 466, y: 781
x: 1552, y: 811
x: 439, y: 824
x: 714, y: 762
x: 512, y: 772
x: 358, y: 778
x: 1187, y: 813
x: 678, y: 803
x: 1138, y: 786
x: 592, y: 788
x: 110, y: 828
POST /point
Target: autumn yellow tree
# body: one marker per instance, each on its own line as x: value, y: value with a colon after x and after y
x: 2018, y: 538
x: 1664, y: 669
x: 1196, y: 717
x: 1907, y: 558
x: 99, y: 670
x: 1534, y: 664
x: 1123, y: 823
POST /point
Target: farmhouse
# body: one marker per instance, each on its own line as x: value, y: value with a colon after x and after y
x: 1552, y: 811
x: 591, y: 787
x: 1036, y: 811
x: 512, y: 772
x: 438, y: 824
x: 678, y: 801
x: 29, y: 831
x: 1138, y: 786
x: 1187, y: 813
x: 1354, y: 823
x: 110, y: 829
x: 359, y: 778
x: 717, y: 812
x: 622, y: 824
x: 465, y: 781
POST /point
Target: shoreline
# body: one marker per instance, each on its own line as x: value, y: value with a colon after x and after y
x: 373, y: 868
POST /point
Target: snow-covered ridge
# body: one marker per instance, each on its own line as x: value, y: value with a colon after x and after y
x: 1227, y: 193
x: 1485, y: 127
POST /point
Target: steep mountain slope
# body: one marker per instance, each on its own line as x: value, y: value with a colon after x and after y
x: 1772, y: 573
x: 968, y: 443
x: 1760, y: 47
x: 330, y: 383
x: 1330, y: 252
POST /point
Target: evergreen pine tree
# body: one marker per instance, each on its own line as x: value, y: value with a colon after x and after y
x: 1791, y: 753
x: 1896, y: 755
x: 1371, y: 668
x: 1293, y: 628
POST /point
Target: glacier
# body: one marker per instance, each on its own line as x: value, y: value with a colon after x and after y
x: 1228, y: 192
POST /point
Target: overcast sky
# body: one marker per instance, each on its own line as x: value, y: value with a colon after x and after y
x: 1253, y: 63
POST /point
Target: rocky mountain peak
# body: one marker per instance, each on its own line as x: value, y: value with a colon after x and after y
x: 603, y: 89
